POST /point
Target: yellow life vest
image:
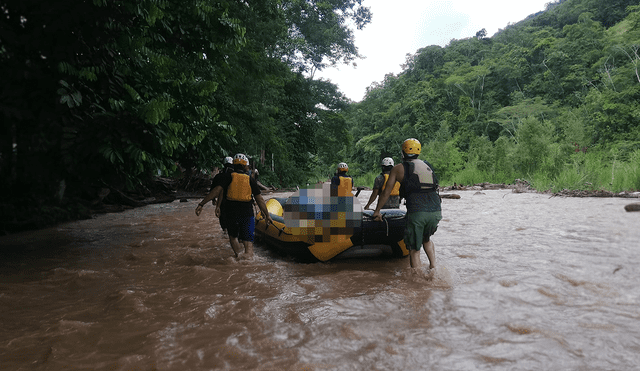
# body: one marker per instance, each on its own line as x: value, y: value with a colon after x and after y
x: 345, y: 187
x: 240, y: 188
x: 396, y: 187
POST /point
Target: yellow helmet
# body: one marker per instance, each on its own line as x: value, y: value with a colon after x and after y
x: 240, y: 159
x: 411, y: 147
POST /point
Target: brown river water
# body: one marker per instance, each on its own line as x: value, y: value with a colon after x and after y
x: 524, y: 282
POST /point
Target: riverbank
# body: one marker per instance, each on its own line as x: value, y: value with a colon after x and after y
x: 522, y: 186
x: 29, y: 212
x: 20, y: 214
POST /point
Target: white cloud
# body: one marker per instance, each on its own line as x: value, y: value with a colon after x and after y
x: 402, y: 27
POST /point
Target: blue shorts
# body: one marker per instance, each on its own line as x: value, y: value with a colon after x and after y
x: 241, y: 227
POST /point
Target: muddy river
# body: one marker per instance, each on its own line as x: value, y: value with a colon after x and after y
x: 523, y: 282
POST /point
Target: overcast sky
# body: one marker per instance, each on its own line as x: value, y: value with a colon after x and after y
x: 399, y: 27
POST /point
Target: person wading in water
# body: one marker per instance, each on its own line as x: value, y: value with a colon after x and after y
x: 227, y: 167
x: 236, y: 190
x: 380, y: 183
x: 419, y: 186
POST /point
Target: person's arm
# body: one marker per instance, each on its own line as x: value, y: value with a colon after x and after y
x: 397, y: 174
x: 213, y: 194
x: 374, y: 194
x: 220, y: 200
x: 257, y: 196
x: 263, y: 208
x: 216, y: 181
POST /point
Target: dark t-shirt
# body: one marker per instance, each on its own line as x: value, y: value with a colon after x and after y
x: 238, y: 208
x: 423, y: 201
x: 217, y: 179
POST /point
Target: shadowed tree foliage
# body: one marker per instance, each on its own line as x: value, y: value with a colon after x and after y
x: 108, y: 93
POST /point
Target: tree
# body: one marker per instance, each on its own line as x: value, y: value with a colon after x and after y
x: 106, y: 94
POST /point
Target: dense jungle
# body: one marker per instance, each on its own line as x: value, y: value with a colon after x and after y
x: 110, y: 102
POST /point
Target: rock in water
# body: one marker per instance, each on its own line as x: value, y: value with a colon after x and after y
x: 450, y: 195
x: 633, y: 207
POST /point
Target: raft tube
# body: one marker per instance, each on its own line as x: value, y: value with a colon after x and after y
x: 371, y: 239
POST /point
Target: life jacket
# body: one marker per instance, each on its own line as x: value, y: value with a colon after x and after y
x: 240, y: 187
x: 396, y: 187
x: 418, y: 177
x: 341, y: 185
x: 346, y: 185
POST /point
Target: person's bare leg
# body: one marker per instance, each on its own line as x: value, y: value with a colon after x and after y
x: 248, y: 248
x: 430, y: 249
x: 235, y: 245
x: 414, y: 258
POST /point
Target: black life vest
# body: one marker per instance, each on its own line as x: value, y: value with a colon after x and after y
x: 418, y: 177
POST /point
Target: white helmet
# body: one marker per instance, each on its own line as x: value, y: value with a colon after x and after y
x: 228, y: 160
x: 240, y: 159
x: 387, y: 161
x: 343, y: 167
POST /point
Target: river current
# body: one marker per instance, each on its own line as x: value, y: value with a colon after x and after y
x: 523, y: 281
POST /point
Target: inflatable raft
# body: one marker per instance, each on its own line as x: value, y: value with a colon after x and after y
x: 302, y: 234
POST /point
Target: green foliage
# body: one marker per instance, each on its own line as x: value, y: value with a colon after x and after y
x: 445, y: 157
x: 365, y: 179
x: 115, y: 92
x: 545, y: 99
x: 599, y: 169
x: 533, y: 139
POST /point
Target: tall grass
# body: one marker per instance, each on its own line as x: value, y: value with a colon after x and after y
x: 596, y: 170
x: 585, y: 171
x: 472, y: 175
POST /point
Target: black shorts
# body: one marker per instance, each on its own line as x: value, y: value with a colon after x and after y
x: 241, y: 227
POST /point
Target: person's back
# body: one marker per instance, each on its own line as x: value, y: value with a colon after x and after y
x: 236, y: 191
x: 380, y: 184
x: 239, y: 189
x: 227, y: 167
x: 419, y: 186
x: 341, y: 183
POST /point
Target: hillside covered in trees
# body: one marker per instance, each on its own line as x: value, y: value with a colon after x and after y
x: 554, y: 99
x: 108, y: 94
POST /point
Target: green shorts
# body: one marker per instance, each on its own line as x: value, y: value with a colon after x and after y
x: 420, y: 226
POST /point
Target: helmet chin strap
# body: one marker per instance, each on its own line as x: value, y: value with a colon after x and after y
x: 409, y: 157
